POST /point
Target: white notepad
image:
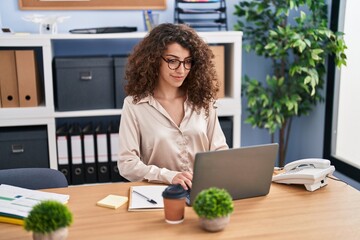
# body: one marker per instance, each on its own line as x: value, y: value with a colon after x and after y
x: 112, y: 201
x: 139, y: 203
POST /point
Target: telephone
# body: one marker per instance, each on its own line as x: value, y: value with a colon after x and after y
x: 312, y: 172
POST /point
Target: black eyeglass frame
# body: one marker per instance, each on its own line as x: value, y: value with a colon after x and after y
x: 179, y: 63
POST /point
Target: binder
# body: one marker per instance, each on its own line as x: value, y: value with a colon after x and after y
x: 102, y: 157
x: 28, y: 78
x: 88, y: 146
x: 11, y: 220
x: 113, y: 134
x: 77, y: 166
x: 62, y: 140
x: 8, y: 79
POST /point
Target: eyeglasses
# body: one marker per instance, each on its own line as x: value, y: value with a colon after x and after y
x: 174, y: 64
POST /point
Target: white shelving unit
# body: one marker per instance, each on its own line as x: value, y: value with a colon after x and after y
x: 46, y: 115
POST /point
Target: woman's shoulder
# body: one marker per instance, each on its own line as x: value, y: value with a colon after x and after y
x: 213, y: 106
x: 129, y: 99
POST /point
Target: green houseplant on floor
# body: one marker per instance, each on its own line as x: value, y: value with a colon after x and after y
x: 213, y: 206
x: 49, y: 220
x: 294, y: 34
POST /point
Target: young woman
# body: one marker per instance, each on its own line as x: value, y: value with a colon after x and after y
x: 169, y: 113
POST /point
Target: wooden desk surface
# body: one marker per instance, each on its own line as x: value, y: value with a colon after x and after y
x: 287, y: 212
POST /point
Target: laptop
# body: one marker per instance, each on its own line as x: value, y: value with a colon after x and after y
x: 244, y: 172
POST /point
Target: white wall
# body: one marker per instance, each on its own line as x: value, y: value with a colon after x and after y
x: 12, y: 17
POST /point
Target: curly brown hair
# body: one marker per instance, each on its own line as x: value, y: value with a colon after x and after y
x: 142, y: 70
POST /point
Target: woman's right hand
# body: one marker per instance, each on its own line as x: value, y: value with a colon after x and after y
x: 184, y: 179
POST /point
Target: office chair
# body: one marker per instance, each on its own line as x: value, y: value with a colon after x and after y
x: 33, y: 178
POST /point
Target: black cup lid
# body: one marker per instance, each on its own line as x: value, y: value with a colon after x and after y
x: 174, y: 192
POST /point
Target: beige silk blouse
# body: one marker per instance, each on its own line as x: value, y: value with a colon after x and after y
x: 153, y: 148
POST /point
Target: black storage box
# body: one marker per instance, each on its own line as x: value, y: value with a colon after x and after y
x: 24, y: 147
x: 84, y: 83
x: 226, y: 124
x: 120, y: 63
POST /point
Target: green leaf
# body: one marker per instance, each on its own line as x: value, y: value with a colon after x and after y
x: 270, y: 45
x: 272, y: 33
x: 290, y: 105
x: 299, y: 44
x: 311, y: 62
x: 281, y: 81
x: 318, y: 51
x: 292, y: 4
x: 265, y: 100
x: 302, y: 16
x: 307, y: 80
x: 280, y: 29
x: 302, y: 46
x: 315, y: 56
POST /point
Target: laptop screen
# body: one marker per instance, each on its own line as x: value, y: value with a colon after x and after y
x: 244, y: 172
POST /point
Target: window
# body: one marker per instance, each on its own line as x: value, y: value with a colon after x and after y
x: 342, y: 132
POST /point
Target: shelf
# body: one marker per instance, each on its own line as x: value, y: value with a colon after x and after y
x: 185, y: 13
x: 205, y: 25
x: 223, y: 102
x: 199, y: 2
x: 207, y: 21
x: 29, y: 112
x: 88, y: 113
x: 200, y: 11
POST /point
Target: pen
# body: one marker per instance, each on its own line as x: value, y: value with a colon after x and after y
x: 148, y: 199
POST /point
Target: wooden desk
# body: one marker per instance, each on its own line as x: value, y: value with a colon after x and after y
x: 288, y: 212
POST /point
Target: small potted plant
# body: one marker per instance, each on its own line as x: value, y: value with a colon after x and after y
x: 49, y: 220
x: 213, y: 206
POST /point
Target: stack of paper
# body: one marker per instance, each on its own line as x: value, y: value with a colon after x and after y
x: 16, y: 203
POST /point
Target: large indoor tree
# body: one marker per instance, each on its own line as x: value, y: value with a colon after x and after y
x: 295, y: 35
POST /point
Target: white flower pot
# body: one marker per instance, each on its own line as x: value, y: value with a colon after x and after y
x: 214, y: 225
x: 60, y: 234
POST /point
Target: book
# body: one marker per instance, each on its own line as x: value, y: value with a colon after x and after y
x: 17, y: 202
x: 112, y: 201
x: 11, y: 220
x: 146, y: 198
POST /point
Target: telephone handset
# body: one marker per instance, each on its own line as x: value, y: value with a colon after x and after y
x: 311, y: 172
